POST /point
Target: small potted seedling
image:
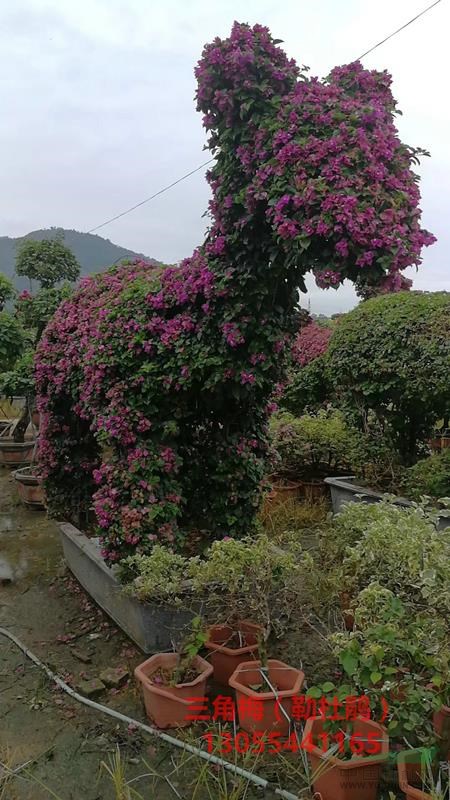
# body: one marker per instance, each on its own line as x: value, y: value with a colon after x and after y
x: 231, y: 644
x: 346, y: 757
x: 419, y: 776
x: 174, y: 684
x: 441, y: 725
x: 268, y: 685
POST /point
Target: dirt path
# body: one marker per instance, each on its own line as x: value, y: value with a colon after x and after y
x: 48, y: 611
x: 64, y: 742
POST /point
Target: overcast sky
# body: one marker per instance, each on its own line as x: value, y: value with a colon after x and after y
x: 97, y: 110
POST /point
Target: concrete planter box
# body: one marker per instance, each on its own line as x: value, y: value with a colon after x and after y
x: 343, y: 491
x: 151, y: 626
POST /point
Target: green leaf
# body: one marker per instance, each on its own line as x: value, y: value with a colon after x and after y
x: 349, y: 662
x: 375, y: 677
x: 314, y: 691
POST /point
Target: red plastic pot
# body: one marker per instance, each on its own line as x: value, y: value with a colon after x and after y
x: 226, y: 659
x: 441, y: 725
x: 338, y: 779
x: 409, y: 773
x: 262, y: 711
x: 171, y: 706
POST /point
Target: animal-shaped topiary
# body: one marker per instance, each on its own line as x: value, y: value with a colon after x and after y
x: 156, y: 384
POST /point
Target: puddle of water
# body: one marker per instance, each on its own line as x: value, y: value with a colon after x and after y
x: 29, y: 541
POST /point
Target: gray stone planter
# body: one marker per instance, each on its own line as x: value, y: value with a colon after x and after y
x: 151, y: 626
x: 343, y: 491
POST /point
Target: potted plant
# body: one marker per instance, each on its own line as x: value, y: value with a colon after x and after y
x: 340, y: 773
x: 310, y: 447
x: 264, y: 693
x: 173, y: 683
x: 445, y: 437
x: 13, y: 453
x: 282, y: 489
x: 29, y: 485
x: 17, y: 442
x: 396, y: 660
x: 419, y: 776
x: 230, y: 645
x: 52, y: 265
x: 441, y: 725
x: 247, y: 579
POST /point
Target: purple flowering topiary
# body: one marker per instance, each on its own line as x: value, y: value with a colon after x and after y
x: 155, y: 384
x: 311, y: 342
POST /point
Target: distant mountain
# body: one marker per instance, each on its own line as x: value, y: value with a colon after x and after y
x: 93, y: 253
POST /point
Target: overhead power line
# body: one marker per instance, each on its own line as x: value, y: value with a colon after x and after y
x: 391, y: 35
x: 197, y: 169
x: 147, y: 199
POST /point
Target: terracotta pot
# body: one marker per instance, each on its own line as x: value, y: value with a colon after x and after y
x: 288, y: 682
x: 16, y: 454
x: 30, y: 487
x: 435, y: 444
x: 445, y: 442
x: 283, y: 490
x: 170, y: 706
x: 224, y: 658
x: 409, y: 775
x: 353, y: 779
x: 441, y: 725
x: 313, y: 490
x: 347, y: 614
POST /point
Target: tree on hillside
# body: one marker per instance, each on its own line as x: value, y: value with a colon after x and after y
x: 6, y: 290
x: 52, y: 265
x: 48, y: 261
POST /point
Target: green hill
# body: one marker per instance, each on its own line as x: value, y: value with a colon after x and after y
x: 92, y: 252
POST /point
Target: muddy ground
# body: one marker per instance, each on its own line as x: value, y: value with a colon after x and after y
x: 56, y: 747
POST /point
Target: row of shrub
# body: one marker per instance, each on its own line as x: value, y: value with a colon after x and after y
x: 386, y: 365
x: 384, y: 568
x: 314, y: 446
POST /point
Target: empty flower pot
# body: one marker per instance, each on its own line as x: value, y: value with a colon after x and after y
x: 266, y: 711
x: 352, y: 779
x: 409, y: 775
x: 227, y: 652
x: 29, y: 485
x: 172, y: 706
